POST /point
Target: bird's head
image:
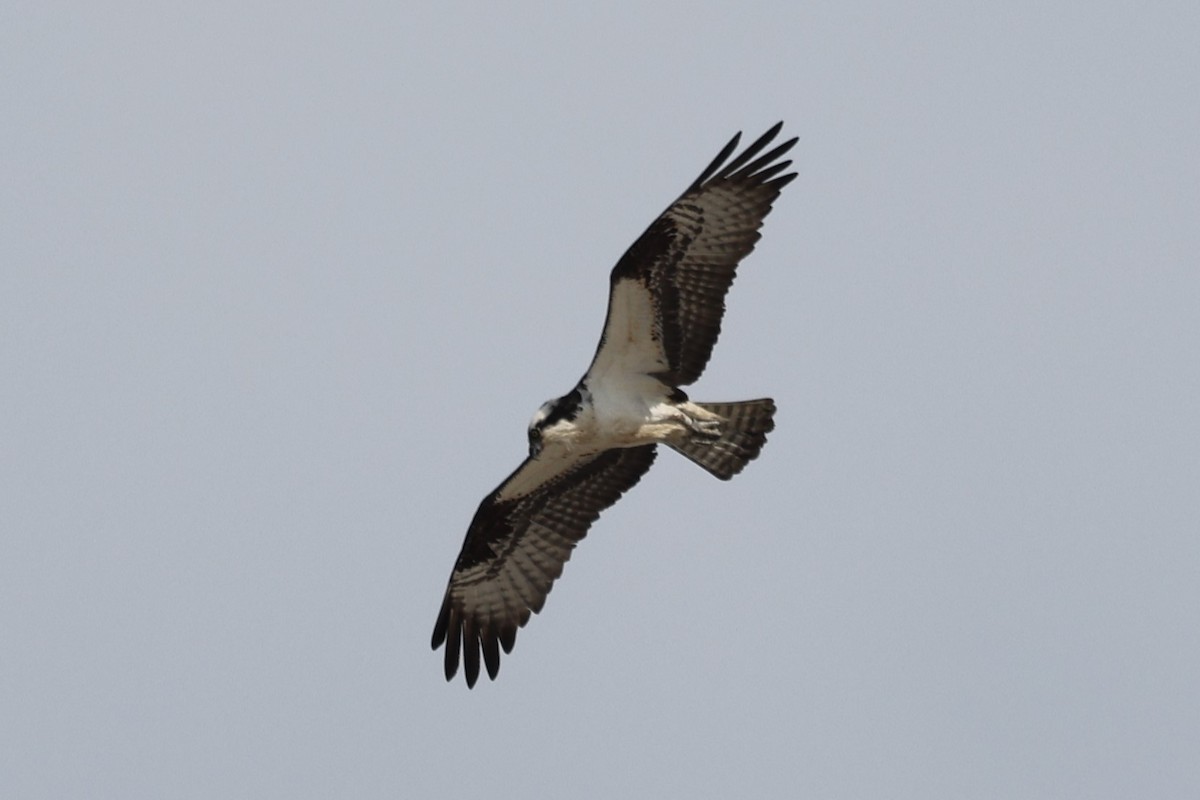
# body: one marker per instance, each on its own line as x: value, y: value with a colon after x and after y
x: 553, y: 420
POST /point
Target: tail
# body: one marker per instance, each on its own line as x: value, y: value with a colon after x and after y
x: 743, y: 432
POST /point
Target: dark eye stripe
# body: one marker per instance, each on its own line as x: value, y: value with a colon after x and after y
x: 566, y: 407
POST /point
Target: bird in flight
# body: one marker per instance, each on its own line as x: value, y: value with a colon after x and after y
x: 588, y: 447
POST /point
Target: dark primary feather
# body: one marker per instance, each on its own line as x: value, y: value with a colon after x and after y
x: 688, y: 256
x: 515, y: 548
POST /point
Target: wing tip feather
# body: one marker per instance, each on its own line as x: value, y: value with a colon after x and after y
x: 747, y: 164
x: 716, y: 163
x: 470, y: 651
x: 442, y: 626
x: 491, y: 652
x: 453, y: 643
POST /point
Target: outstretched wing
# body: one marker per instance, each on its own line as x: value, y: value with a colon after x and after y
x: 667, y: 293
x: 517, y: 544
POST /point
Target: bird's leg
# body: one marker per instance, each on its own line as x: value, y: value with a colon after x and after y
x: 683, y: 422
x: 704, y: 425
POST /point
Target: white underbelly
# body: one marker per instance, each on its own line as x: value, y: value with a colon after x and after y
x: 633, y: 413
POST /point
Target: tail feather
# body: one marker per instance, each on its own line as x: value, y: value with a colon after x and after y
x: 744, y: 429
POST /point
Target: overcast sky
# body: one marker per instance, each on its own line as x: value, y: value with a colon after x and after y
x: 281, y: 287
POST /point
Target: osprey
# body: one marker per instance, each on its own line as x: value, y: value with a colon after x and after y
x: 590, y: 446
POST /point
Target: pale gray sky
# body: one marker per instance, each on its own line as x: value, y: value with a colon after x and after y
x: 280, y: 288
